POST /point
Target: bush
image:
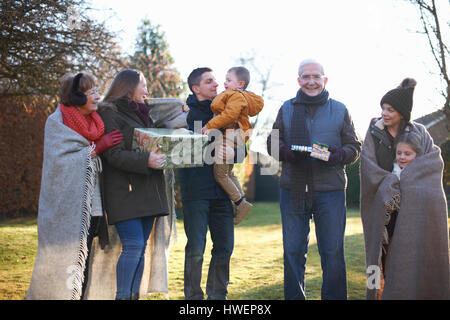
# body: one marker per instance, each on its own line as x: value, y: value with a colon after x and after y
x: 21, y: 137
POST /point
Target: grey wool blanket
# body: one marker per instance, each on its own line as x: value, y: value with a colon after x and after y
x: 417, y: 262
x: 67, y: 195
x: 102, y: 263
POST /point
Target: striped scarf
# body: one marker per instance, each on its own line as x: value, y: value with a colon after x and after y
x: 302, y: 174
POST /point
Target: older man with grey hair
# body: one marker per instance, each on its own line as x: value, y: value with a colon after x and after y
x: 313, y: 188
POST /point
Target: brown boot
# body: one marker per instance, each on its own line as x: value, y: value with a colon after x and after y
x: 241, y: 211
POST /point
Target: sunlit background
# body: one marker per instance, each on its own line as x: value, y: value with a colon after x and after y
x: 367, y: 47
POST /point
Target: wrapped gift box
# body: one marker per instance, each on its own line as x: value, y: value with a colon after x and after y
x: 183, y: 148
x: 318, y: 150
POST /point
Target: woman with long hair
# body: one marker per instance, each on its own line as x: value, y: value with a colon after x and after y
x: 134, y: 182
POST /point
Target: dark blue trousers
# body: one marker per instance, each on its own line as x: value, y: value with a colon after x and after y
x: 329, y: 212
x: 198, y: 216
x: 133, y: 234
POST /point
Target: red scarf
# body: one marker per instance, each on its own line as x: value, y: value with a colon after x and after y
x: 90, y: 127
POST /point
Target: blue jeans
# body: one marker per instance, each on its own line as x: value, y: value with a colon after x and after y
x: 198, y: 215
x: 329, y: 212
x: 133, y: 234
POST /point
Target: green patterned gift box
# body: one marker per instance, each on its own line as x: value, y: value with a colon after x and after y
x: 183, y: 148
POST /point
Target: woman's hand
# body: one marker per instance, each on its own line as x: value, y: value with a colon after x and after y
x: 156, y: 160
x: 107, y: 141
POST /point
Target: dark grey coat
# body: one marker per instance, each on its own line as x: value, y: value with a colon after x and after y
x: 131, y: 188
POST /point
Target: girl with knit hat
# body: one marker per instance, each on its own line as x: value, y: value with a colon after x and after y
x: 414, y: 262
x: 70, y: 208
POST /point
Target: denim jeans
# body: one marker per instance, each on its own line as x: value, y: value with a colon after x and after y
x: 133, y: 234
x: 329, y: 212
x: 198, y: 215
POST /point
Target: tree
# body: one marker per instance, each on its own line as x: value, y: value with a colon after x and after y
x: 260, y: 73
x: 436, y: 33
x: 42, y: 40
x: 152, y: 57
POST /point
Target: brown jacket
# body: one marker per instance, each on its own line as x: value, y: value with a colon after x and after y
x: 233, y: 107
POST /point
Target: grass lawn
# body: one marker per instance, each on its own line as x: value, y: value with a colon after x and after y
x: 256, y: 264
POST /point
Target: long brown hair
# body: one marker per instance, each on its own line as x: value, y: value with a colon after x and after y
x: 123, y: 85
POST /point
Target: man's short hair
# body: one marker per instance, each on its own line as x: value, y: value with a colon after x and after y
x: 196, y: 76
x: 309, y: 61
x: 242, y: 74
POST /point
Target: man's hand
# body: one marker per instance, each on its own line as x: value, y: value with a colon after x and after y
x: 290, y: 156
x: 224, y: 152
x: 337, y: 156
x: 185, y: 107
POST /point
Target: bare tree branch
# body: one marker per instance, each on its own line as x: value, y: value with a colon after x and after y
x: 42, y: 40
x: 430, y: 20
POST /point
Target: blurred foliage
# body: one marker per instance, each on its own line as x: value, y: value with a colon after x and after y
x: 152, y: 57
x: 353, y: 184
x: 445, y: 149
x: 21, y: 140
x: 42, y: 40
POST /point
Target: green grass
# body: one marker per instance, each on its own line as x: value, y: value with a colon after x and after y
x: 256, y: 265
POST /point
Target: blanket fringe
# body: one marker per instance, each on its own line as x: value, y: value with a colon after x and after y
x: 80, y: 263
x: 393, y: 204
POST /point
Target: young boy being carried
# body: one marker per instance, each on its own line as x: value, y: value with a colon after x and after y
x: 232, y: 109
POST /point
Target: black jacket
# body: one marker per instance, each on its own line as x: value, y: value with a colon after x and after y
x: 131, y: 188
x: 199, y: 183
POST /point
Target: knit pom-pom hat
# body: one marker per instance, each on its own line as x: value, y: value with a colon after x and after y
x: 401, y: 98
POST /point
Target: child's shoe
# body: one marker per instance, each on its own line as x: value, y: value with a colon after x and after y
x: 241, y: 211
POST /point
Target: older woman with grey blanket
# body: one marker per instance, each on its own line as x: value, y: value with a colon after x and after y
x: 70, y: 209
x: 415, y: 263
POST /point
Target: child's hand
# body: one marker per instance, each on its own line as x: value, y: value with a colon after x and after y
x: 205, y: 130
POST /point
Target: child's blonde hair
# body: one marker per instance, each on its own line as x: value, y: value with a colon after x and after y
x: 410, y: 138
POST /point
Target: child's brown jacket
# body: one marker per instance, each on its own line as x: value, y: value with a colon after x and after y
x: 233, y: 107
